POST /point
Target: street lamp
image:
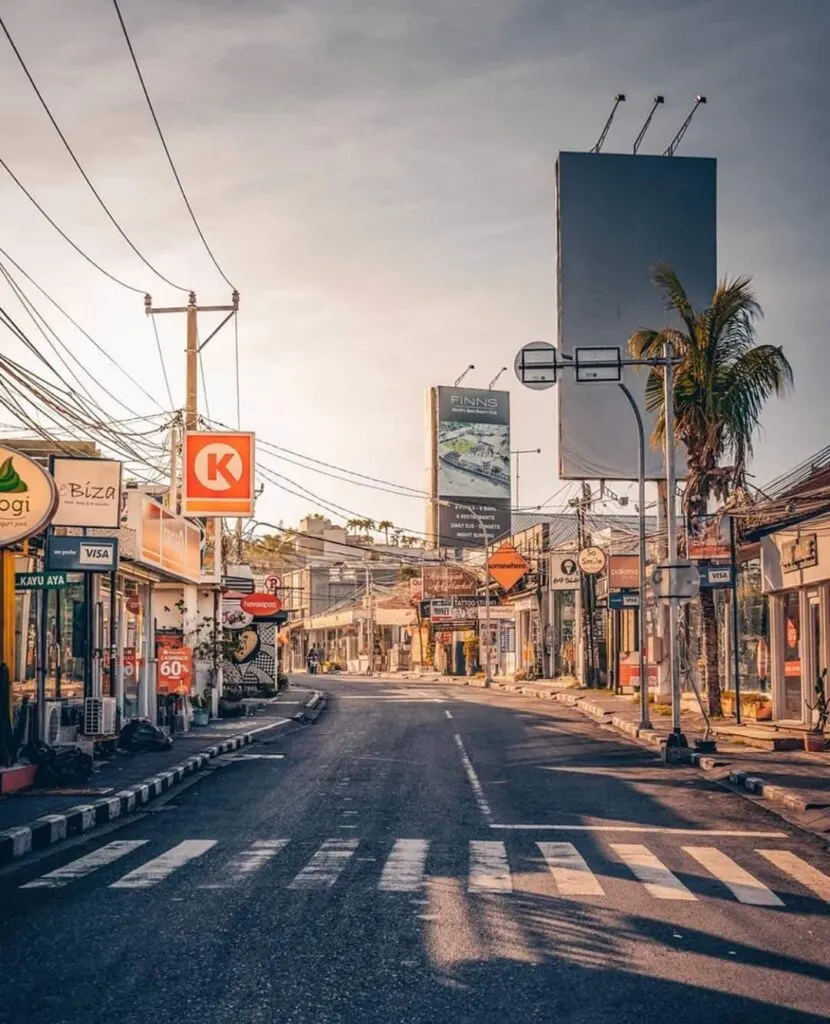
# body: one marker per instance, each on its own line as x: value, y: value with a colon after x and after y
x: 518, y: 454
x: 488, y: 676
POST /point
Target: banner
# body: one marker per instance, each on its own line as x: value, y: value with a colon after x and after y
x: 709, y: 537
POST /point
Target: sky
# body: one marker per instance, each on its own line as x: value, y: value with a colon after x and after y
x: 377, y: 181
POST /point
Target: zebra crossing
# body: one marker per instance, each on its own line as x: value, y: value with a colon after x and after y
x: 406, y: 868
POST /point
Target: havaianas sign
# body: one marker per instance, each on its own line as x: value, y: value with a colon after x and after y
x: 28, y: 497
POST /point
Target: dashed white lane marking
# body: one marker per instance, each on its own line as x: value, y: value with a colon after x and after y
x: 448, y: 713
x: 404, y: 868
x: 489, y: 867
x: 736, y: 833
x: 800, y: 870
x: 156, y: 870
x: 571, y: 873
x: 745, y: 887
x: 85, y: 865
x: 653, y: 873
x: 478, y: 791
x: 325, y: 866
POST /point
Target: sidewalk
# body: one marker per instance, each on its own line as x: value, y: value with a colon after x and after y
x: 33, y: 819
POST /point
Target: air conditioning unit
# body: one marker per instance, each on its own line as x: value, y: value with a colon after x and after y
x: 99, y: 716
x: 52, y: 731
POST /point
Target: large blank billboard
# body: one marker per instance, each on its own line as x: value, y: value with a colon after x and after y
x: 469, y: 442
x: 618, y: 216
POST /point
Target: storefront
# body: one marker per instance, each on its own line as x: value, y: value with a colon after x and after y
x: 795, y: 579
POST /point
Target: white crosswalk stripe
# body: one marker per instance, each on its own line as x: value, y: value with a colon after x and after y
x: 572, y: 875
x: 85, y: 865
x: 246, y: 862
x: 489, y: 867
x: 661, y: 883
x: 156, y: 870
x: 404, y: 868
x: 745, y: 887
x: 324, y: 868
x: 810, y: 877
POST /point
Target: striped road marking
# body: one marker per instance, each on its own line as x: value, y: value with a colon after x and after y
x: 85, y: 865
x: 404, y: 868
x: 257, y: 855
x: 801, y: 871
x: 156, y: 870
x: 572, y: 875
x: 653, y: 873
x: 489, y: 867
x: 745, y: 887
x: 324, y: 868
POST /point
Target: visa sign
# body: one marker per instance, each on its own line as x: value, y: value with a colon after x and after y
x: 82, y: 554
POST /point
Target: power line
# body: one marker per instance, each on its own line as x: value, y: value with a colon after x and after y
x: 80, y: 168
x: 161, y: 360
x: 63, y: 234
x: 166, y: 147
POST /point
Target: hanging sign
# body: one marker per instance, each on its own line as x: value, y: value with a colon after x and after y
x: 591, y: 560
x: 82, y: 554
x: 28, y: 497
x: 261, y: 606
x: 564, y: 572
x: 90, y: 492
x: 218, y: 477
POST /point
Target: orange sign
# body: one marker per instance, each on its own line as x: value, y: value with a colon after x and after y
x: 261, y: 606
x: 218, y: 475
x: 165, y: 540
x: 175, y: 669
x: 507, y: 566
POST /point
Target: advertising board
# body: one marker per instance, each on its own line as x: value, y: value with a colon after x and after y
x: 619, y: 215
x: 90, y: 492
x: 218, y: 477
x: 709, y: 537
x: 28, y: 497
x: 470, y: 465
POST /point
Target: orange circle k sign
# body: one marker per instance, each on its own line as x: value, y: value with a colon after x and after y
x: 218, y: 474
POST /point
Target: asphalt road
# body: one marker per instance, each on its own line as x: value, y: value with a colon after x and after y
x: 427, y: 853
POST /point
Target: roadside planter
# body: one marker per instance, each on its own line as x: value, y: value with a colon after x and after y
x: 201, y: 716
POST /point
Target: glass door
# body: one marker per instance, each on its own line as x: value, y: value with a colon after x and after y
x: 792, y: 656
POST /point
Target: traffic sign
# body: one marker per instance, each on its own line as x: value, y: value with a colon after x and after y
x: 677, y: 580
x: 624, y: 599
x: 81, y: 554
x: 273, y: 583
x: 591, y: 560
x: 598, y: 365
x: 536, y: 366
x: 39, y: 580
x: 175, y: 669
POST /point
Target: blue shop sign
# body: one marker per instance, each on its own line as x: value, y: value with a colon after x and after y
x: 624, y: 599
x: 715, y: 577
x: 82, y: 554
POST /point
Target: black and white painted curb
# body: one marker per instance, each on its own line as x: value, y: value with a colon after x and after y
x: 54, y: 828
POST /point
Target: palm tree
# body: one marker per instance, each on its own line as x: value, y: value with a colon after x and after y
x: 384, y: 526
x: 368, y: 525
x: 354, y: 524
x: 720, y: 389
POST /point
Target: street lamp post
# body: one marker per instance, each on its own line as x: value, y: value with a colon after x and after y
x: 488, y: 676
x: 519, y: 454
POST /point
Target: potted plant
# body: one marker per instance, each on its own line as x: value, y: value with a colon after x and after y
x: 201, y: 709
x: 814, y: 740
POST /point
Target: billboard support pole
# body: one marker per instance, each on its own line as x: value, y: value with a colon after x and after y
x: 736, y: 654
x: 641, y: 611
x: 678, y: 738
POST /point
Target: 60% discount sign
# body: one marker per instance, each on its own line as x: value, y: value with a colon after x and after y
x: 175, y: 669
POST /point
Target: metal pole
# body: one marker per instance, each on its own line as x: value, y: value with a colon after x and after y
x: 488, y: 675
x: 645, y: 723
x: 370, y: 625
x: 671, y: 536
x: 42, y: 657
x: 518, y: 461
x: 736, y: 660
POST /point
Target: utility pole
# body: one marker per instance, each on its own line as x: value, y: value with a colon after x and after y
x: 671, y: 535
x: 370, y: 623
x: 583, y: 505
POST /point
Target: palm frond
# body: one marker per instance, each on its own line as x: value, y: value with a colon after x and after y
x: 675, y: 298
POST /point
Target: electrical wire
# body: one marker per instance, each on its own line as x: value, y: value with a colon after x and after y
x: 161, y: 360
x: 85, y: 333
x: 78, y: 165
x: 63, y: 234
x: 166, y: 147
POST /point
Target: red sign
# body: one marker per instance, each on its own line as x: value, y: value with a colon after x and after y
x: 261, y: 606
x: 218, y: 474
x: 133, y: 604
x: 175, y: 669
x: 130, y: 665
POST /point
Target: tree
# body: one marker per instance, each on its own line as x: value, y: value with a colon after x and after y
x: 720, y: 390
x: 368, y: 525
x: 354, y: 524
x: 384, y: 526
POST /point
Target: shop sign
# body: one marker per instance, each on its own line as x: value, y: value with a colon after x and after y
x: 133, y: 604
x: 28, y: 497
x: 507, y: 566
x: 218, y: 476
x: 261, y: 606
x: 714, y: 577
x: 564, y: 572
x: 39, y: 580
x: 82, y: 554
x: 445, y: 581
x: 164, y: 540
x: 619, y: 599
x: 90, y: 492
x: 623, y: 572
x: 591, y: 560
x: 801, y: 553
x: 130, y: 665
x: 175, y: 669
x: 709, y: 537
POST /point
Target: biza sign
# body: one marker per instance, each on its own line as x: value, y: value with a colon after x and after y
x: 218, y: 474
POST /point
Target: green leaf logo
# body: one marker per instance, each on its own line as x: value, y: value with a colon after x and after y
x: 10, y: 481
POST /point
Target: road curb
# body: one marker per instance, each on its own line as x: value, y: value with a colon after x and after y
x: 50, y: 829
